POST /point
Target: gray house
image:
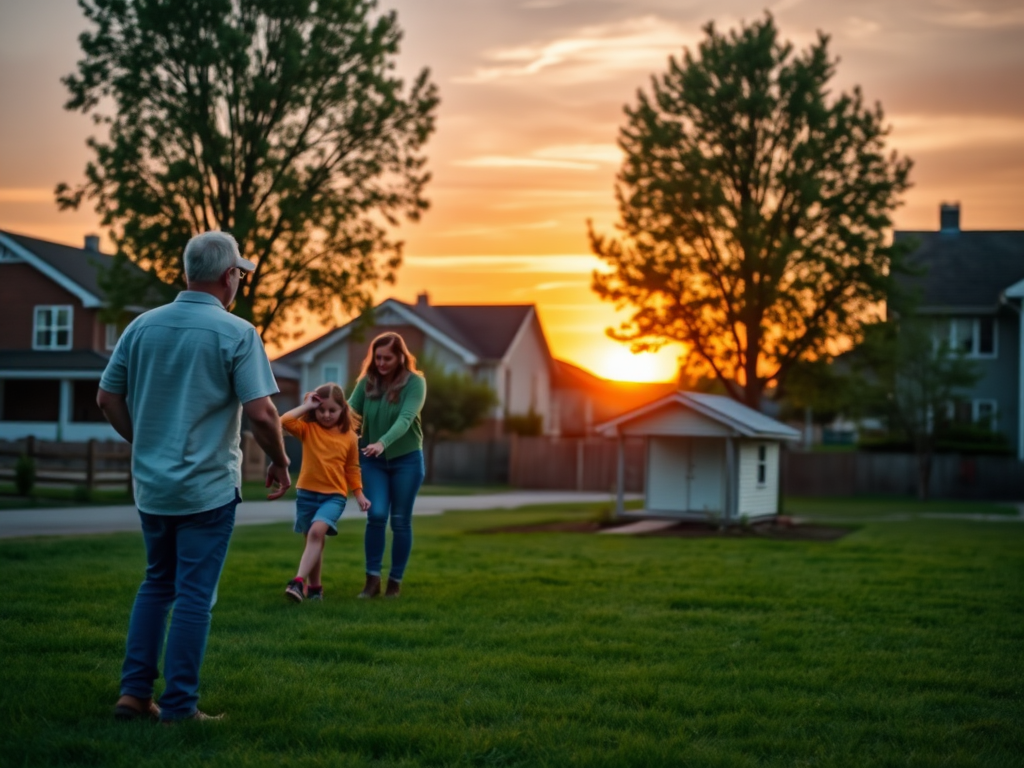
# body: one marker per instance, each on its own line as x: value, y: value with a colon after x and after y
x: 973, y: 287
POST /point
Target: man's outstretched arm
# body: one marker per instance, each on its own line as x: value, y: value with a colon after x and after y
x: 266, y: 428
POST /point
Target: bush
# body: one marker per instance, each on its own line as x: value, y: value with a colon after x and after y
x: 529, y: 424
x: 25, y: 474
x: 81, y: 493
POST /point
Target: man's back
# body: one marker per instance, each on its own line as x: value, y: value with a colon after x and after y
x: 185, y: 369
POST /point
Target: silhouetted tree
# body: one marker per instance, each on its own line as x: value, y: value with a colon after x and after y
x: 753, y: 211
x: 282, y: 123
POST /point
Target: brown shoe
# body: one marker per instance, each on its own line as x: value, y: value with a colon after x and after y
x: 134, y: 708
x: 196, y: 717
x: 371, y: 588
x: 394, y: 588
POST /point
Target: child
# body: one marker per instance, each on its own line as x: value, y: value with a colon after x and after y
x: 330, y: 469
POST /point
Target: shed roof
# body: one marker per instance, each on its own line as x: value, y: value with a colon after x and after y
x: 744, y: 421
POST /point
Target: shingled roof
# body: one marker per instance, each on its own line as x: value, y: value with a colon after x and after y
x: 80, y: 266
x: 484, y: 330
x: 963, y: 270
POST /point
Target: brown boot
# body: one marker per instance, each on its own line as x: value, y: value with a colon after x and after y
x: 371, y: 588
x: 394, y: 588
x: 133, y: 708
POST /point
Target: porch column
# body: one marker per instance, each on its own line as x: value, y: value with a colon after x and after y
x: 64, y: 414
x: 620, y: 481
x: 731, y: 491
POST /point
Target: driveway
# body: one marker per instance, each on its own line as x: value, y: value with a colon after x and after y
x: 85, y: 520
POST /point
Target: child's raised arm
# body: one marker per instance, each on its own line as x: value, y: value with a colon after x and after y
x: 309, y: 403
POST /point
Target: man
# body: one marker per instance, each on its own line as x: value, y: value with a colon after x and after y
x: 175, y: 388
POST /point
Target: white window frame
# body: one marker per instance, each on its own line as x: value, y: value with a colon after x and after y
x: 113, y: 334
x: 326, y: 377
x: 976, y: 412
x: 51, y: 311
x: 975, y: 323
x: 762, y: 465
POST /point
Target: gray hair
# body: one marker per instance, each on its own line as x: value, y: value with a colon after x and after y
x: 209, y: 255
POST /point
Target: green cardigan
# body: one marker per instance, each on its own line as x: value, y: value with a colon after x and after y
x: 396, y: 425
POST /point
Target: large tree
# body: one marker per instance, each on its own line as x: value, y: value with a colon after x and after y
x: 280, y: 122
x: 754, y: 208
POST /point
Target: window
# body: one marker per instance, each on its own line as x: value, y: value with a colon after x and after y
x: 970, y: 336
x: 32, y: 400
x: 52, y: 328
x: 332, y: 372
x: 985, y: 414
x: 762, y: 465
x: 113, y: 334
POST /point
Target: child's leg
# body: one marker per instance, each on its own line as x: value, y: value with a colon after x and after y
x: 311, y: 556
x: 314, y: 572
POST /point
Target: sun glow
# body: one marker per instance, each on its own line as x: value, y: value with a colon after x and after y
x: 619, y: 364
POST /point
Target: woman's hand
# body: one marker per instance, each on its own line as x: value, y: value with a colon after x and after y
x: 373, y: 449
x: 364, y: 503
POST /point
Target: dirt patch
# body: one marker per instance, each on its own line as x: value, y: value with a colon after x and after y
x: 784, y: 529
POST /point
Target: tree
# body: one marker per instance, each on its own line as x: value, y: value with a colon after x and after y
x: 456, y: 402
x: 917, y: 382
x: 282, y: 123
x: 753, y: 211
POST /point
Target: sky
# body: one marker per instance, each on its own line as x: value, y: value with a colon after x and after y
x: 532, y: 96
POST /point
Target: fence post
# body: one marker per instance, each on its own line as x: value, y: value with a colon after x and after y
x: 90, y: 465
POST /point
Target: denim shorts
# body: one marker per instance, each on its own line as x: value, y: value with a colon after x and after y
x: 312, y: 507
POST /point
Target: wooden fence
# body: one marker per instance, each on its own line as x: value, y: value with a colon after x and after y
x: 91, y: 465
x: 580, y: 464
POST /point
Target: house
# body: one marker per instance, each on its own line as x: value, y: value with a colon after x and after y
x: 972, y: 287
x: 53, y: 343
x: 502, y: 345
x: 583, y: 400
x: 708, y: 457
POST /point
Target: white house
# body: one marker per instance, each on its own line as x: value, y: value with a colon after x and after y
x: 502, y: 344
x: 708, y: 457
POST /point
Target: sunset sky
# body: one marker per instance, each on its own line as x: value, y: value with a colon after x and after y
x: 532, y: 95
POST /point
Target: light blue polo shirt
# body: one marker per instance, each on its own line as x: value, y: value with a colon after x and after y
x: 186, y: 368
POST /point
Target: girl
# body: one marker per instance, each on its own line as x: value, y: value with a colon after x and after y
x: 389, y: 397
x: 330, y: 469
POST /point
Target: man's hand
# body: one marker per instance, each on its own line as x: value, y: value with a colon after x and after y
x: 279, y: 479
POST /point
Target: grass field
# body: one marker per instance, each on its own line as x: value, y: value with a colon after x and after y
x: 900, y: 644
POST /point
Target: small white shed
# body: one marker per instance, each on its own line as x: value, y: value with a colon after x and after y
x: 708, y: 457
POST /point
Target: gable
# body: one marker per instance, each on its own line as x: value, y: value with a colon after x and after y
x: 675, y: 419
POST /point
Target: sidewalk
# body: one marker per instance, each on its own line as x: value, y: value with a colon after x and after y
x: 67, y: 521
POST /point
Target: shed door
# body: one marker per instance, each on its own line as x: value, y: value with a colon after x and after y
x: 686, y: 474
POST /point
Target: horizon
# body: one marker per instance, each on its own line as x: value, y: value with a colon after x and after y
x: 532, y: 95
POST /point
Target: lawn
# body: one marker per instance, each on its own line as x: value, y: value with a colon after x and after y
x: 900, y: 644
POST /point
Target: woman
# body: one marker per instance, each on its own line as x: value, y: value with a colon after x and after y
x: 389, y: 397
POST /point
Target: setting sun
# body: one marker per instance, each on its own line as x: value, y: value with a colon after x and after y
x: 619, y: 364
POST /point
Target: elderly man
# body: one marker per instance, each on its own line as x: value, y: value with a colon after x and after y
x: 175, y: 388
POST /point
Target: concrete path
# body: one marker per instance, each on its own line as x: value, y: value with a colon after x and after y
x: 85, y: 520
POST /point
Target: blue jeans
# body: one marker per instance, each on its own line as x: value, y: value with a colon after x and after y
x: 312, y: 507
x: 185, y: 555
x: 391, y: 486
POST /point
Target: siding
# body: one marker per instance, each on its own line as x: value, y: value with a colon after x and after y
x: 755, y: 500
x: 22, y: 289
x: 525, y: 378
x: 676, y: 420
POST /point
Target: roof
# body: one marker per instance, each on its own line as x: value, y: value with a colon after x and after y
x: 481, y: 332
x: 745, y: 421
x: 75, y: 269
x: 968, y: 270
x: 46, y: 360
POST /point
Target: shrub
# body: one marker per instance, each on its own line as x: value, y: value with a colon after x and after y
x: 81, y: 493
x: 25, y: 474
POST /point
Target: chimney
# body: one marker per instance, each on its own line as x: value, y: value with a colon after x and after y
x: 423, y: 299
x: 92, y: 243
x: 949, y: 217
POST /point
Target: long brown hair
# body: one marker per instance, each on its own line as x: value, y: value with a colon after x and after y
x: 348, y: 420
x: 375, y: 386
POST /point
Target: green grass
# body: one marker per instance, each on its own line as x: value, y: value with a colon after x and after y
x: 900, y: 644
x: 888, y: 506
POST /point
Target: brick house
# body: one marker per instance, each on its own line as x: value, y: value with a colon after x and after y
x: 53, y: 343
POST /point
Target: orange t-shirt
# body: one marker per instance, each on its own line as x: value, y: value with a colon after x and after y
x: 330, y: 459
